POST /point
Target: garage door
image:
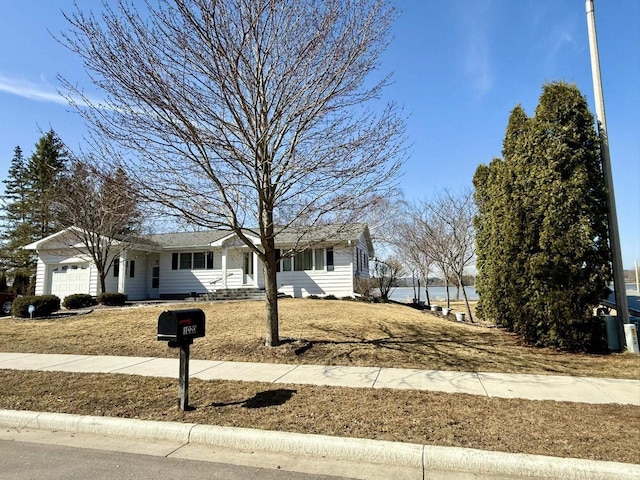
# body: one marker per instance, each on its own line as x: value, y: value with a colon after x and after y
x: 69, y: 279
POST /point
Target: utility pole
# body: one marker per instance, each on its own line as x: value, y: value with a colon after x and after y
x: 622, y: 307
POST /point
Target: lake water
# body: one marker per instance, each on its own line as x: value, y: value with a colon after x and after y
x: 405, y: 294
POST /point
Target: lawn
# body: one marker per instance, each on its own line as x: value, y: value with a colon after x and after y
x: 313, y: 332
x: 334, y: 333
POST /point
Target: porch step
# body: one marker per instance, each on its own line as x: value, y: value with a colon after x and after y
x: 235, y: 294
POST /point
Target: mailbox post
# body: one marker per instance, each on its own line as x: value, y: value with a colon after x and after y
x: 179, y: 328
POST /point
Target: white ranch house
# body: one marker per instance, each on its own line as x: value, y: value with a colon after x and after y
x: 176, y: 265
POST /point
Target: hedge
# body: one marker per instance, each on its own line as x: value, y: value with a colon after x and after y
x: 112, y: 298
x: 78, y: 300
x: 44, y: 305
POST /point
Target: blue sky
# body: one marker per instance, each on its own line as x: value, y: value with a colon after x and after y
x: 459, y: 66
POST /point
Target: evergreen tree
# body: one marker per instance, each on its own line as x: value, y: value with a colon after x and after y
x: 15, y: 216
x: 44, y: 169
x: 30, y: 189
x: 542, y: 243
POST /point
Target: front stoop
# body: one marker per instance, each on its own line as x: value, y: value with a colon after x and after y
x: 234, y: 294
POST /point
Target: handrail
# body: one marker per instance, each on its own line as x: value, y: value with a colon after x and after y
x: 218, y: 279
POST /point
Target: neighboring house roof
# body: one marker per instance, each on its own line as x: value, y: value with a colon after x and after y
x: 205, y: 239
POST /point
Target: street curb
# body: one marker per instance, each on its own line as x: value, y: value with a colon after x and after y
x: 425, y: 457
x: 355, y: 449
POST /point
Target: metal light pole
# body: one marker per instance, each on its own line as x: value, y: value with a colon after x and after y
x: 622, y: 307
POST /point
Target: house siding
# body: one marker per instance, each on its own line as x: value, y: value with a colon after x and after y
x: 361, y: 259
x: 41, y: 277
x: 178, y: 281
x: 338, y: 282
x: 350, y: 259
x: 136, y: 286
x: 111, y: 282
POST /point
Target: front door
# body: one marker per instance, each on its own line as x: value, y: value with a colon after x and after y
x: 247, y: 269
x: 155, y: 282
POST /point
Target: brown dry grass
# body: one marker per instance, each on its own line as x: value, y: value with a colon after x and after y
x: 599, y: 432
x: 314, y: 332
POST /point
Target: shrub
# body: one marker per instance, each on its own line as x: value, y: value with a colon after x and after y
x: 364, y: 286
x: 348, y: 297
x: 313, y: 297
x: 330, y: 297
x: 22, y: 284
x: 112, y: 298
x: 78, y: 300
x: 44, y: 305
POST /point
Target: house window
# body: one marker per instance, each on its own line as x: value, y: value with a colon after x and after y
x: 319, y: 259
x: 357, y: 259
x: 209, y: 260
x: 185, y: 261
x: 199, y: 261
x: 303, y: 261
x: 286, y: 264
x: 116, y: 267
x: 132, y: 268
x: 174, y: 261
x: 330, y: 259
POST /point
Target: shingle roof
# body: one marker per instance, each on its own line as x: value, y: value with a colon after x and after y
x: 322, y: 233
x: 186, y: 239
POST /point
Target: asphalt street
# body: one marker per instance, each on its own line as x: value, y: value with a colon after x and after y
x: 33, y: 461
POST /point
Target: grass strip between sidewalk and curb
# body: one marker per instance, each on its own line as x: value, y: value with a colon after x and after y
x: 607, y: 432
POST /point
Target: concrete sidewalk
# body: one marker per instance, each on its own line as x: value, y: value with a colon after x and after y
x: 501, y: 385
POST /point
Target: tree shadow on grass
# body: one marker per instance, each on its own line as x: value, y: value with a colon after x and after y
x: 268, y: 398
x: 454, y: 348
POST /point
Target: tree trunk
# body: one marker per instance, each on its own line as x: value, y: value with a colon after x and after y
x: 271, y: 290
x: 103, y: 275
x: 466, y: 299
x: 426, y: 290
x: 446, y: 281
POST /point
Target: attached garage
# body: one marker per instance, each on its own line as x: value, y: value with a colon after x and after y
x: 67, y: 279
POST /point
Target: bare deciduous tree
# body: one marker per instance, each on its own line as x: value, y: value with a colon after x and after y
x: 448, y: 235
x: 246, y: 115
x: 414, y: 251
x: 101, y: 214
x: 386, y: 273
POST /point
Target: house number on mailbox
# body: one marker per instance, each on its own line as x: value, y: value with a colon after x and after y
x: 189, y: 330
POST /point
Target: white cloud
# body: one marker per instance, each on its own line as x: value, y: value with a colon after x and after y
x: 26, y: 89
x: 476, y: 49
x: 41, y: 92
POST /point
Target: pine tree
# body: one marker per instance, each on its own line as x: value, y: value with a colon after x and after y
x: 30, y: 189
x: 543, y: 256
x: 15, y: 217
x: 44, y: 169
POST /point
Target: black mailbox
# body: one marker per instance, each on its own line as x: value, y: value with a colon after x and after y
x: 180, y: 326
